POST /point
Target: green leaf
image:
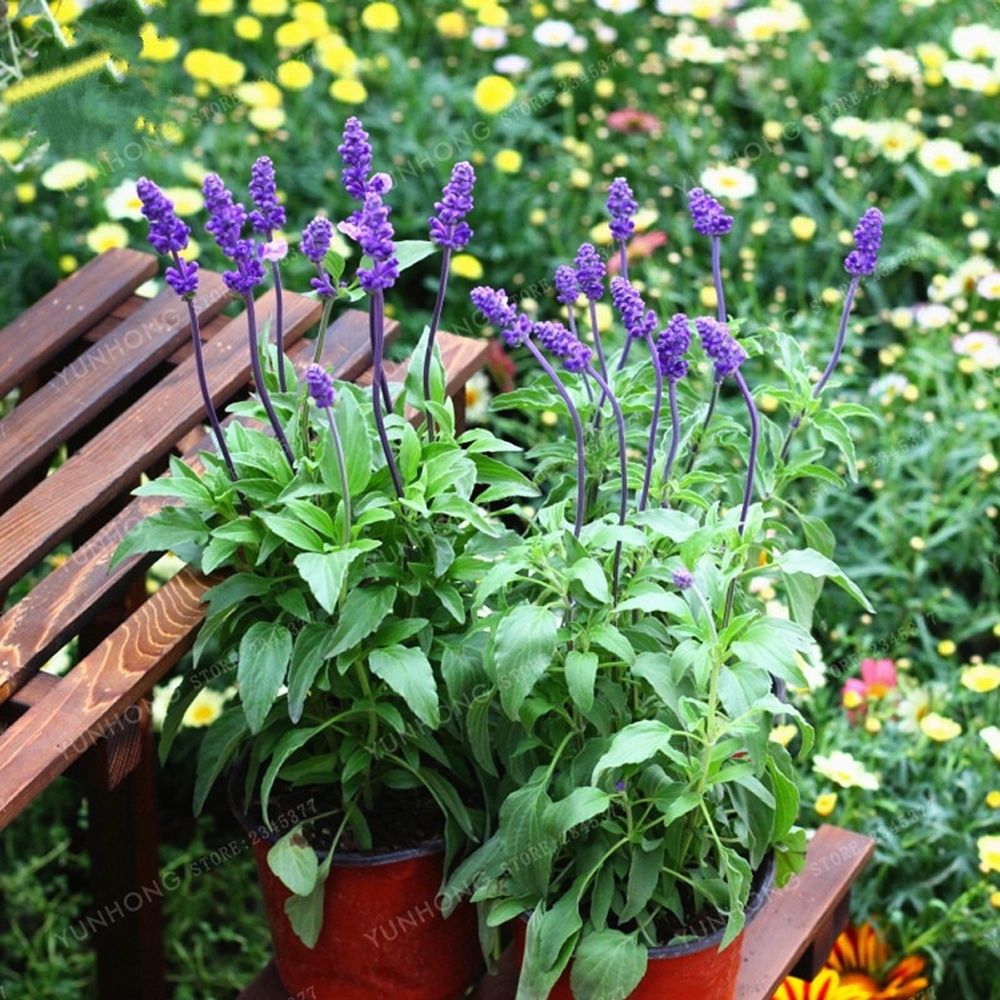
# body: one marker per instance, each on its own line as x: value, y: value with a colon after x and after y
x: 638, y: 743
x: 363, y: 612
x: 503, y: 481
x: 581, y: 674
x: 550, y: 941
x: 308, y: 654
x: 579, y: 806
x: 524, y: 646
x: 609, y: 638
x: 218, y: 746
x: 265, y: 649
x: 833, y: 429
x: 161, y: 531
x: 325, y: 572
x: 353, y: 428
x: 305, y: 914
x: 409, y: 673
x: 643, y: 876
x: 814, y: 563
x: 293, y: 861
x: 334, y: 264
x: 293, y: 531
x: 408, y: 454
x: 236, y: 589
x: 607, y: 964
x: 592, y: 582
x: 477, y: 728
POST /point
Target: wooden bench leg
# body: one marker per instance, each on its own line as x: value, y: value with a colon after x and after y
x: 127, y: 887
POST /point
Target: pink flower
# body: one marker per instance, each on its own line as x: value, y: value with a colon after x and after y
x: 878, y: 678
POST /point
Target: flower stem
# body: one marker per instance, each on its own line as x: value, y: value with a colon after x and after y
x: 581, y: 459
x: 654, y: 425
x: 376, y: 319
x: 324, y: 323
x: 258, y: 376
x: 432, y: 332
x: 675, y: 431
x: 279, y: 323
x: 720, y: 295
x: 342, y: 472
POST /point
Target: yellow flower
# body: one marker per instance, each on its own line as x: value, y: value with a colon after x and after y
x: 852, y: 699
x: 604, y: 88
x: 993, y: 799
x: 248, y: 28
x: 989, y: 853
x: 873, y: 725
x: 310, y: 12
x: 464, y: 265
x: 981, y: 678
x: 451, y: 24
x: 214, y: 67
x: 842, y: 769
x: 380, y: 16
x: 337, y: 58
x: 205, y: 709
x: 825, y: 803
x: 946, y: 647
x: 939, y: 728
x: 988, y: 463
x: 493, y: 16
x: 187, y: 201
x: 995, y: 899
x: 784, y: 734
x: 942, y: 157
x: 293, y: 35
x: 68, y: 174
x: 260, y: 94
x: 348, y: 91
x: 493, y: 94
x: 508, y: 161
x: 991, y: 734
x: 267, y: 119
x: 211, y: 8
x: 67, y: 263
x: 107, y: 236
x: 294, y: 75
x: 268, y: 8
x: 803, y: 227
x: 708, y: 297
x: 25, y: 192
x: 917, y: 544
x: 157, y: 49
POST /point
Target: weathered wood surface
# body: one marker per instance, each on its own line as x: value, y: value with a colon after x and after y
x: 42, y: 331
x: 796, y: 923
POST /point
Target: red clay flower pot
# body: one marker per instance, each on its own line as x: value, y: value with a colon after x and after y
x: 383, y: 933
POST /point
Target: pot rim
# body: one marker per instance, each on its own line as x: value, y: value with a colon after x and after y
x: 352, y: 859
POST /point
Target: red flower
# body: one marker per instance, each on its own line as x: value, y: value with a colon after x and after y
x: 631, y: 121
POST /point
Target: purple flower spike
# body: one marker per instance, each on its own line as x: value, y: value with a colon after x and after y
x: 320, y: 385
x: 671, y: 346
x: 707, y: 214
x: 621, y: 207
x: 867, y: 240
x: 316, y: 238
x: 567, y: 287
x: 590, y: 272
x: 720, y: 346
x: 493, y: 303
x: 683, y: 578
x: 167, y: 233
x: 357, y: 156
x: 557, y: 340
x: 269, y: 215
x: 226, y: 217
x: 375, y: 236
x: 449, y: 228
x: 183, y: 277
x: 639, y: 321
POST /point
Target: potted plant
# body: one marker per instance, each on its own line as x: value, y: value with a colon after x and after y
x: 345, y: 536
x: 629, y: 679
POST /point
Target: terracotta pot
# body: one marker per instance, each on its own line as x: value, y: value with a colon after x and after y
x: 696, y: 970
x: 383, y: 934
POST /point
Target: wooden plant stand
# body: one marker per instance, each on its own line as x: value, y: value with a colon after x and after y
x: 107, y: 385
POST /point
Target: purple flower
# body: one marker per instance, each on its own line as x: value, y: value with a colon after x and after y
x: 316, y: 239
x: 357, y: 156
x: 448, y: 227
x: 375, y: 236
x: 683, y: 578
x: 167, y: 233
x: 621, y: 207
x: 226, y: 218
x: 590, y: 272
x: 500, y: 312
x: 867, y: 240
x: 707, y: 214
x: 720, y: 346
x: 639, y: 321
x: 269, y: 215
x: 320, y: 385
x: 557, y: 340
x: 567, y: 287
x: 323, y: 286
x: 183, y: 277
x: 671, y: 346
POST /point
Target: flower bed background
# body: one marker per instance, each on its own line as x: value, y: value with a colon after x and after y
x: 791, y: 108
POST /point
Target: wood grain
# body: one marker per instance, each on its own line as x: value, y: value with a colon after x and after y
x: 74, y: 305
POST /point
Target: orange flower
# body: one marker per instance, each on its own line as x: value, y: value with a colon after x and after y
x: 863, y: 960
x: 826, y: 986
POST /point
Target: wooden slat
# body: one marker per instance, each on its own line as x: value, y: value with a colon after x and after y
x: 74, y: 305
x: 102, y: 374
x: 71, y: 717
x: 111, y: 461
x: 71, y: 594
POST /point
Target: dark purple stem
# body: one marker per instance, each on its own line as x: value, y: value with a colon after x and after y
x: 258, y: 376
x: 279, y: 322
x: 581, y: 458
x: 432, y: 333
x: 717, y: 277
x: 599, y: 347
x: 653, y: 426
x: 376, y: 318
x: 831, y: 364
x: 675, y: 432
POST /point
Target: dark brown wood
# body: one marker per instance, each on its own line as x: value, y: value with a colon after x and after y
x: 127, y: 887
x: 142, y: 435
x: 73, y: 306
x: 99, y: 376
